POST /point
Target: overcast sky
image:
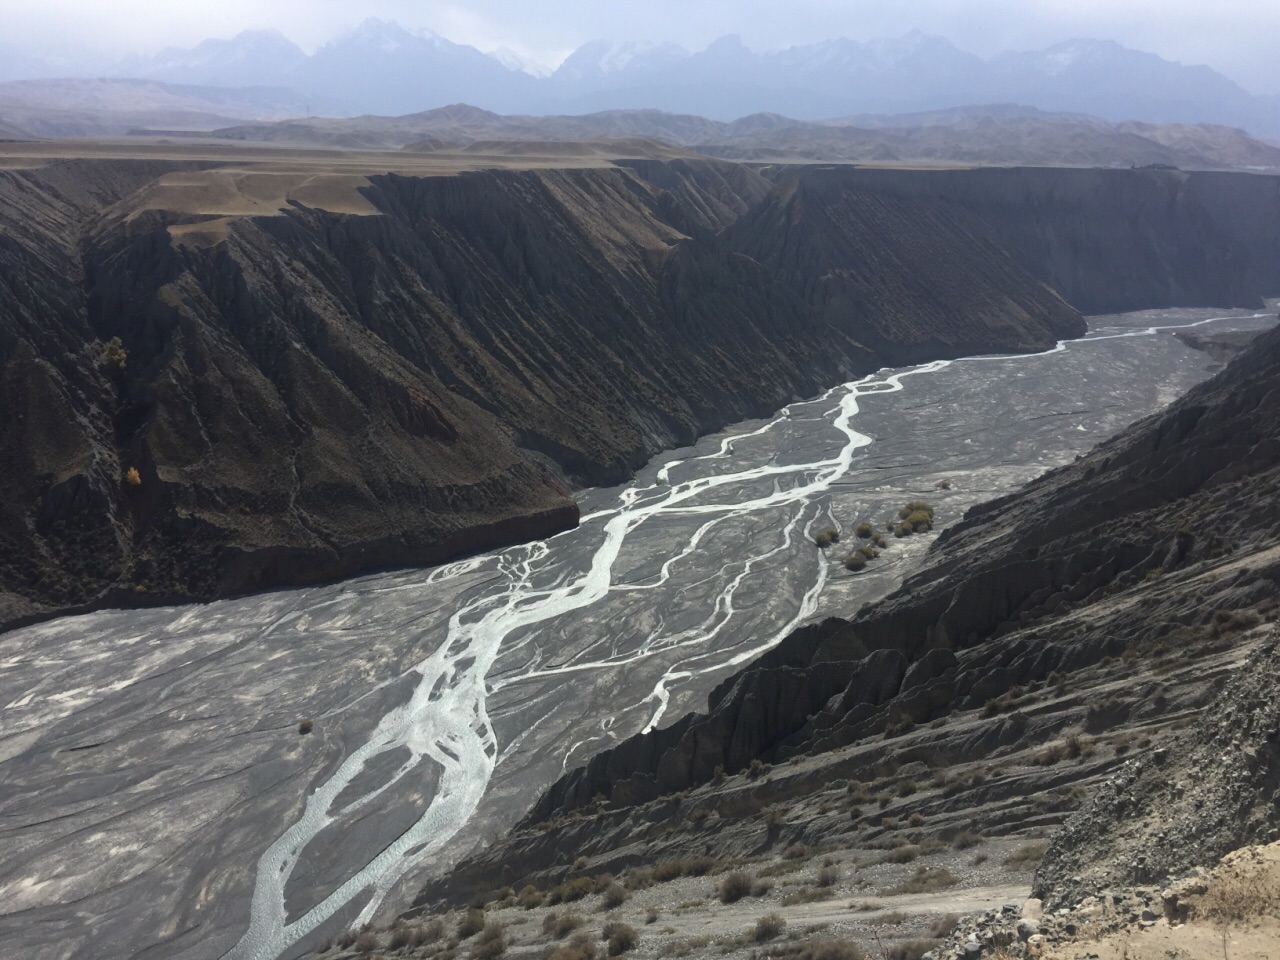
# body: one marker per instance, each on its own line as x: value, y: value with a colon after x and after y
x: 1237, y: 37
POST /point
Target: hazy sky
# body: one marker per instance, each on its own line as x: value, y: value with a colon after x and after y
x: 1238, y: 37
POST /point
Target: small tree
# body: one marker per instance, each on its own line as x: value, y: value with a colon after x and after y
x: 114, y: 354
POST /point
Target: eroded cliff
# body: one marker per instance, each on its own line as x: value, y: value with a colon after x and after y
x: 370, y: 369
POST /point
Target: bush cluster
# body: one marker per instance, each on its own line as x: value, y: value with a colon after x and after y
x: 913, y: 517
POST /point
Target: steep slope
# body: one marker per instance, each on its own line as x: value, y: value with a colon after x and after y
x: 995, y: 610
x: 304, y: 394
x: 1117, y: 240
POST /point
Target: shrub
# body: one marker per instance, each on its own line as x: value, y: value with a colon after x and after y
x: 1050, y: 755
x: 401, y: 937
x: 132, y: 477
x: 761, y: 888
x: 491, y: 942
x: 865, y: 531
x: 966, y: 839
x: 924, y: 880
x: 579, y: 948
x: 920, y: 521
x: 944, y: 484
x: 826, y: 538
x: 828, y: 876
x: 903, y: 529
x: 914, y: 507
x: 734, y: 887
x: 797, y: 851
x: 367, y: 942
x: 768, y: 927
x: 305, y: 726
x: 621, y: 938
x: 571, y: 890
x: 916, y: 819
x: 855, y: 562
x: 836, y: 949
x: 756, y: 769
x: 906, y: 788
x: 471, y: 923
x: 674, y: 869
x: 428, y: 933
x: 1026, y: 855
x: 580, y: 863
x: 901, y: 855
x: 651, y: 916
x: 614, y: 895
x: 880, y: 541
x: 530, y: 897
x: 114, y: 354
x: 560, y: 925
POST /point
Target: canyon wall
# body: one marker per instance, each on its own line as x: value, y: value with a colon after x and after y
x: 430, y: 367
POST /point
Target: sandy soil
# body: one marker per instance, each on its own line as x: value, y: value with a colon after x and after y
x: 1238, y: 919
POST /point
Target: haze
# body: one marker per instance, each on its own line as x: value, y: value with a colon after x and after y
x: 1234, y: 37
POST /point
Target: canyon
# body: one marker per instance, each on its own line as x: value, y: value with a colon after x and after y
x: 236, y: 370
x: 286, y: 368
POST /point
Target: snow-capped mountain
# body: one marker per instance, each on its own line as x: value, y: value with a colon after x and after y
x: 382, y: 68
x: 252, y: 58
x: 522, y: 64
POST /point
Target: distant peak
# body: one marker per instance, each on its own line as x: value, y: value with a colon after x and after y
x: 730, y: 41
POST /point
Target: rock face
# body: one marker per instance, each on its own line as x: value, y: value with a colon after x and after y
x: 1216, y: 789
x: 304, y: 395
x: 1173, y: 494
x: 1116, y: 240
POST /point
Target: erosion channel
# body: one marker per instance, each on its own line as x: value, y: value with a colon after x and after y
x: 157, y: 791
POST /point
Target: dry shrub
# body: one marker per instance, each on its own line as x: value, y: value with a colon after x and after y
x: 581, y: 947
x: 900, y: 855
x: 734, y: 887
x: 924, y: 880
x: 491, y: 942
x: 768, y: 927
x: 1026, y: 855
x: 560, y: 925
x: 401, y: 937
x: 471, y: 923
x: 621, y: 937
x: 614, y: 895
x: 1236, y: 897
x: 429, y: 932
x: 828, y: 876
x: 530, y: 897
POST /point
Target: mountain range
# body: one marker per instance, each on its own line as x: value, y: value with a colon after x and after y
x: 1000, y: 134
x: 383, y: 68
